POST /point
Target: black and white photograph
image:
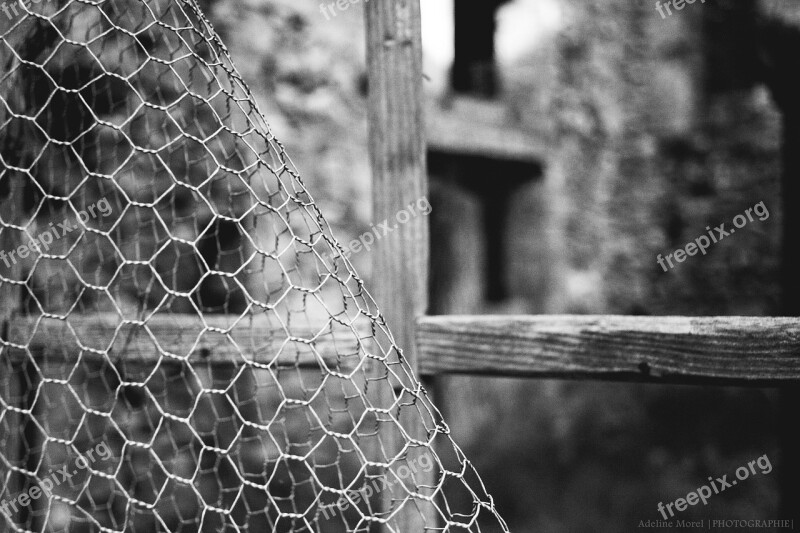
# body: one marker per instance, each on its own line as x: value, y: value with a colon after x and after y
x: 399, y: 266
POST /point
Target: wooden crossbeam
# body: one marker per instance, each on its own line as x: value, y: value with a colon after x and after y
x: 740, y: 350
x: 699, y: 350
x: 214, y: 339
x: 694, y: 350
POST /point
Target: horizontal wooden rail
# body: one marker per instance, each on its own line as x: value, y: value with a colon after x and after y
x: 744, y: 350
x: 214, y: 339
x: 736, y: 350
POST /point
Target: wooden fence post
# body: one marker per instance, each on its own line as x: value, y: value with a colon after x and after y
x: 399, y: 178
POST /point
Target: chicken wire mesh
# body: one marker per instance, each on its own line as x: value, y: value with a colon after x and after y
x: 188, y: 349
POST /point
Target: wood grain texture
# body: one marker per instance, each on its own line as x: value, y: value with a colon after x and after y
x: 397, y: 156
x: 183, y: 337
x: 743, y: 350
x: 399, y: 178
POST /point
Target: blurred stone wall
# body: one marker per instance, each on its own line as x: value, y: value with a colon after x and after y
x: 648, y: 145
x: 643, y: 158
x: 657, y: 127
x: 650, y: 139
x: 308, y: 75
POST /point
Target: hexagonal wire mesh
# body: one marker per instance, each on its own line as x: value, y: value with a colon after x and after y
x: 190, y: 352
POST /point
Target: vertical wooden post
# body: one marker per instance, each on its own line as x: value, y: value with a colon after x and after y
x: 399, y: 178
x: 397, y: 156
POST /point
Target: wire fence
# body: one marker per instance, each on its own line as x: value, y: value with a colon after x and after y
x: 188, y: 349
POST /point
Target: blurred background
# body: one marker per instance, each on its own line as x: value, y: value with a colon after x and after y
x: 570, y: 142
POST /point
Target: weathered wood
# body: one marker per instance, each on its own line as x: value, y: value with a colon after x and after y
x: 180, y: 336
x: 746, y: 350
x: 399, y: 178
x: 397, y: 154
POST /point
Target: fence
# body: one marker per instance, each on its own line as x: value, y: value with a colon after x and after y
x: 173, y: 297
x: 206, y: 328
